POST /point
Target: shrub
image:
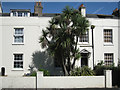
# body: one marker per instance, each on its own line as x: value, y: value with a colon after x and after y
x: 83, y: 71
x: 45, y: 72
x: 99, y: 70
x: 33, y: 73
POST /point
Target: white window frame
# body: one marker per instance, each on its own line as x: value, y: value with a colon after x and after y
x: 15, y: 13
x: 17, y: 43
x: 19, y: 69
x: 85, y: 42
x: 23, y: 14
x: 108, y: 43
x: 20, y: 14
x: 108, y: 60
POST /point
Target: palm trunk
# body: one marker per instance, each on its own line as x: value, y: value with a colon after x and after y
x: 64, y: 69
x: 74, y: 53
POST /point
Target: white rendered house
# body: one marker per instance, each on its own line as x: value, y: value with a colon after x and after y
x: 20, y: 31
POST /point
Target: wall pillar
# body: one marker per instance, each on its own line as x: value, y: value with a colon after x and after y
x: 39, y: 79
x: 108, y: 78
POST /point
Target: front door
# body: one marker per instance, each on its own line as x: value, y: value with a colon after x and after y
x: 84, y: 59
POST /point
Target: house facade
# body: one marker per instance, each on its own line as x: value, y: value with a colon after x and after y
x: 20, y: 31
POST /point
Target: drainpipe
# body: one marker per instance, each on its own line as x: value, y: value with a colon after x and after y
x: 92, y: 27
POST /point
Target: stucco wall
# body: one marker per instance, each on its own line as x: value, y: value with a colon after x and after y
x: 57, y: 81
x: 0, y: 83
x: 0, y: 44
x: 99, y: 46
x: 32, y: 50
x: 74, y: 81
x: 18, y: 82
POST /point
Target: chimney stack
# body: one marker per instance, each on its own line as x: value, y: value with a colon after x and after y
x: 116, y: 12
x: 82, y: 9
x: 38, y: 9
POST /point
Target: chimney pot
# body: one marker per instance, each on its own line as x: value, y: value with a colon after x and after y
x: 82, y: 9
x: 38, y: 9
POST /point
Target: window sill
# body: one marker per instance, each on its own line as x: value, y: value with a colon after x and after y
x: 17, y: 43
x: 83, y: 43
x: 108, y: 44
x: 17, y: 69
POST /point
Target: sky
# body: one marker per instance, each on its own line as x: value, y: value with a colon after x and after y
x: 57, y: 7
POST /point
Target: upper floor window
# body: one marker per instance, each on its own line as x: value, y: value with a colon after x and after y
x: 14, y: 13
x: 25, y: 14
x: 108, y: 36
x: 84, y: 37
x: 18, y: 35
x: 20, y: 13
x: 108, y: 58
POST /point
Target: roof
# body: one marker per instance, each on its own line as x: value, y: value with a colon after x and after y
x: 54, y: 14
x: 20, y: 10
x: 101, y: 16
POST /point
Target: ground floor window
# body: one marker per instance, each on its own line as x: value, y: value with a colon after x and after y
x: 18, y: 60
x: 108, y: 58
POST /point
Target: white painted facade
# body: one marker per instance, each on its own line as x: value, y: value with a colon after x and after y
x: 32, y: 28
x: 32, y: 32
x: 62, y: 81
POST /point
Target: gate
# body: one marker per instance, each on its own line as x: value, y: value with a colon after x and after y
x: 116, y: 77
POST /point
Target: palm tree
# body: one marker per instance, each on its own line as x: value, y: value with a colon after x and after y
x: 63, y: 33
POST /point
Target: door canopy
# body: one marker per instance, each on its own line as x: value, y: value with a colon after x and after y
x: 84, y: 51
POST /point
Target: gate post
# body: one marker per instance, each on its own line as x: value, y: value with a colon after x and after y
x: 108, y: 78
x: 40, y: 79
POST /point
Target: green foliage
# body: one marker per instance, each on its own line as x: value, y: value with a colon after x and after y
x: 34, y: 73
x: 101, y: 63
x: 45, y: 72
x: 99, y: 70
x: 83, y: 71
x: 100, y: 67
x: 62, y: 36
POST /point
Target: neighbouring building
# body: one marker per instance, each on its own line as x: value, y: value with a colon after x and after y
x: 20, y: 31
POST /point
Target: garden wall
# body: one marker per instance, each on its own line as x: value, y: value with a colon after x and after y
x: 18, y: 82
x: 74, y: 81
x: 57, y: 81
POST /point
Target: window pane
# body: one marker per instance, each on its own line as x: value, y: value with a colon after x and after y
x: 84, y: 37
x: 19, y: 14
x: 18, y: 30
x: 108, y: 35
x: 18, y: 39
x: 108, y: 57
x: 25, y: 14
x: 14, y: 13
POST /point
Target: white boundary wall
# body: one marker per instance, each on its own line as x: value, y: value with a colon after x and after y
x: 57, y: 81
x: 74, y: 81
x: 0, y: 83
x: 18, y: 82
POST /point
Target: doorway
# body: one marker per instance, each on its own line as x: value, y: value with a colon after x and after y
x: 84, y: 59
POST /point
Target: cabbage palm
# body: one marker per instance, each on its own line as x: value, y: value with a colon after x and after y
x: 61, y: 37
